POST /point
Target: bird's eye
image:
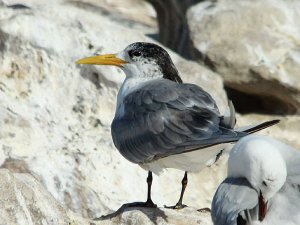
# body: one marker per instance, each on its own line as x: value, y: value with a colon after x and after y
x: 264, y: 183
x: 134, y: 53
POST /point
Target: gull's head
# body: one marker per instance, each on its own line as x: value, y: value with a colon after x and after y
x: 140, y: 60
x: 258, y: 160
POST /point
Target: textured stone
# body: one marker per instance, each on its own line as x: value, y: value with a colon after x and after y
x: 162, y: 216
x: 24, y: 201
x: 254, y: 46
x: 130, y: 13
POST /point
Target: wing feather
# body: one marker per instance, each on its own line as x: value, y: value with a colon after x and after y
x: 164, y: 118
x: 234, y: 198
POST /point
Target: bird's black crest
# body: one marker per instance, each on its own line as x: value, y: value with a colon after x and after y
x: 157, y: 53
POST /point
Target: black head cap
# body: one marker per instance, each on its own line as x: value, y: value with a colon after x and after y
x: 159, y: 55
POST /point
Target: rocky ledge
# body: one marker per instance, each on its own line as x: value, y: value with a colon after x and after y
x: 24, y: 200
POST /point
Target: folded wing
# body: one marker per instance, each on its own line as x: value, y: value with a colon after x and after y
x: 164, y: 118
x: 235, y: 202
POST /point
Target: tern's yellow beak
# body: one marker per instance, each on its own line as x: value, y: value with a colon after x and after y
x: 109, y: 59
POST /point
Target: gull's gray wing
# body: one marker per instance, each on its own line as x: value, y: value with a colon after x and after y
x: 164, y: 118
x: 234, y: 203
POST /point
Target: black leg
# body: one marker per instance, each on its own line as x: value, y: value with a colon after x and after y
x: 149, y: 202
x: 184, y: 184
x: 179, y: 204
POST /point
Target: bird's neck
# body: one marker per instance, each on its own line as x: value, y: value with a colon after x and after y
x: 129, y: 85
x: 170, y: 72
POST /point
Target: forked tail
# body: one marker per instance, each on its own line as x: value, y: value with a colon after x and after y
x: 230, y: 137
x: 254, y: 128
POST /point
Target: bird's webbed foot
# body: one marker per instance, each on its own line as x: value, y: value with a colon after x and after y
x: 147, y: 204
x: 179, y: 205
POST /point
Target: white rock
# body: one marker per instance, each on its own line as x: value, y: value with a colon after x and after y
x: 253, y: 45
x: 162, y: 216
x: 24, y: 201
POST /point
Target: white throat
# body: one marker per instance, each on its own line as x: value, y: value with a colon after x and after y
x: 129, y: 85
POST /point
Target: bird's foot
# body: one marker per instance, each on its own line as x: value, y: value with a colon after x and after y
x: 177, y: 206
x: 147, y: 204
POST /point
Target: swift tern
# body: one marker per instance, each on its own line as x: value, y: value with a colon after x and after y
x: 161, y: 122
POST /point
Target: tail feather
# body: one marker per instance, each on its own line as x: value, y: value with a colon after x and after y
x: 255, y: 128
x: 229, y: 119
x: 236, y: 135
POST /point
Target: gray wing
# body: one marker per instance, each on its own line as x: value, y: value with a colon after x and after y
x: 234, y: 201
x: 164, y: 118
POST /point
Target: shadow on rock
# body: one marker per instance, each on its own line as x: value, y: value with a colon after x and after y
x: 152, y: 213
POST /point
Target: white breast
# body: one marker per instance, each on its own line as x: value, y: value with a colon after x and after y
x: 191, y: 162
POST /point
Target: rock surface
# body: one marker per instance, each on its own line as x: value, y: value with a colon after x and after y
x: 254, y: 45
x: 161, y: 216
x: 24, y: 200
x: 55, y: 115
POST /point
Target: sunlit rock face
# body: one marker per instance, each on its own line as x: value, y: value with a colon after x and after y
x: 24, y: 200
x: 254, y: 45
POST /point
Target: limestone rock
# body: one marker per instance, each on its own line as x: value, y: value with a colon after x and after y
x: 131, y: 13
x: 55, y: 115
x: 254, y: 46
x: 162, y: 216
x: 24, y: 201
